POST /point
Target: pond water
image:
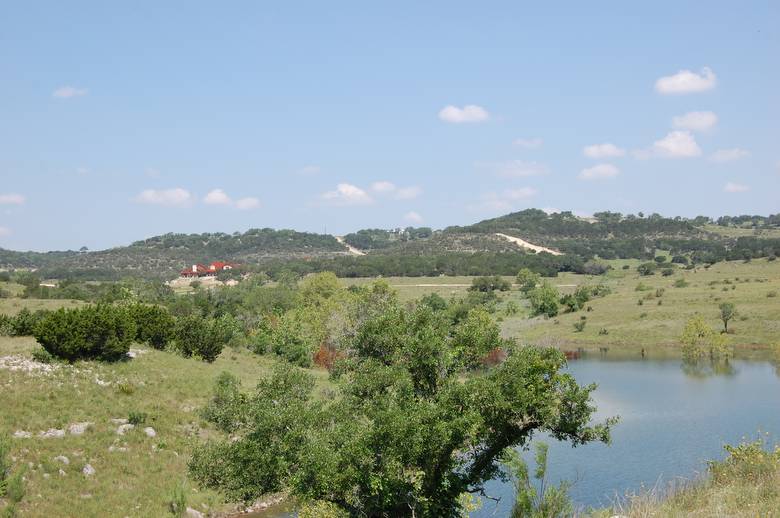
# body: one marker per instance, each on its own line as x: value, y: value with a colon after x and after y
x: 672, y: 419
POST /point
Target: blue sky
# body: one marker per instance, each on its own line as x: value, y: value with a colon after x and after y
x: 119, y: 122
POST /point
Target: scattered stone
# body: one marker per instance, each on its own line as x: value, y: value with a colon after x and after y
x: 149, y: 431
x: 124, y: 428
x: 88, y: 470
x: 22, y: 364
x: 61, y: 472
x: 46, y: 475
x: 102, y: 383
x: 119, y: 420
x: 192, y: 513
x: 21, y: 434
x: 79, y: 428
x: 114, y: 448
x: 52, y: 432
x: 63, y: 459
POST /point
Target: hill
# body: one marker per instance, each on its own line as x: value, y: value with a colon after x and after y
x: 607, y: 235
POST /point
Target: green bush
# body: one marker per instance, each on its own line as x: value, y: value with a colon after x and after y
x: 42, y: 356
x: 23, y: 324
x: 227, y: 407
x: 200, y: 337
x: 100, y: 332
x: 137, y: 418
x: 154, y: 324
x: 544, y: 300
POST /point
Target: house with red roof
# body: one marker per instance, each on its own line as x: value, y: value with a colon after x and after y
x: 198, y: 270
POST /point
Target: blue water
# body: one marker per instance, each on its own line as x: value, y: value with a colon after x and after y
x: 671, y: 422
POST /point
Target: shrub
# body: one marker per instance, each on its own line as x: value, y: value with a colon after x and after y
x: 227, y: 406
x: 771, y: 294
x: 681, y: 283
x: 137, y: 418
x: 200, y: 337
x: 667, y: 272
x: 544, y: 300
x: 512, y: 308
x: 434, y: 301
x: 527, y: 280
x: 177, y: 500
x: 41, y: 355
x: 154, y: 324
x: 295, y: 338
x: 23, y: 324
x: 100, y: 332
x: 579, y: 326
x: 490, y: 283
x: 646, y: 268
x: 603, y: 331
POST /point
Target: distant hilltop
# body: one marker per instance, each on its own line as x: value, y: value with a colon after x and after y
x: 605, y: 235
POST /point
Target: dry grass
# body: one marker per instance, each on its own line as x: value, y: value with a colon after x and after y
x: 136, y: 482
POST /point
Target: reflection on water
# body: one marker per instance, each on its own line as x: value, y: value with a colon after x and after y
x: 673, y: 417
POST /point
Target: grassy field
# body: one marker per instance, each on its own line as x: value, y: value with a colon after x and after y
x: 13, y: 306
x: 743, y: 232
x: 655, y: 324
x: 134, y: 482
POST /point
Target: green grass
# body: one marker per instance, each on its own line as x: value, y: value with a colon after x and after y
x: 14, y: 305
x: 631, y: 327
x: 742, y: 232
x: 139, y: 481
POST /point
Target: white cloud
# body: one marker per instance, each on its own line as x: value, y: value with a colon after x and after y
x: 685, y: 82
x: 413, y: 217
x: 217, y: 197
x: 676, y: 144
x: 5, y: 231
x: 66, y: 92
x: 347, y: 194
x: 176, y: 197
x: 514, y: 168
x: 248, y: 203
x: 695, y: 121
x: 309, y: 170
x: 12, y: 198
x: 729, y: 155
x: 735, y: 187
x: 399, y: 193
x: 469, y: 113
x: 599, y: 172
x: 383, y: 186
x: 606, y: 150
x: 528, y: 143
x: 152, y: 172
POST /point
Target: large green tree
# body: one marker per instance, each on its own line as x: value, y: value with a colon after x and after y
x: 409, y: 429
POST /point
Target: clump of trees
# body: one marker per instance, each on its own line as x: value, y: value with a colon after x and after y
x: 203, y: 338
x: 408, y: 431
x: 700, y: 341
x: 154, y: 324
x: 544, y: 300
x: 101, y: 332
x: 489, y: 283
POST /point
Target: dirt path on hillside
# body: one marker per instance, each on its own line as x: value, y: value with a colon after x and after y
x: 352, y: 249
x: 525, y: 244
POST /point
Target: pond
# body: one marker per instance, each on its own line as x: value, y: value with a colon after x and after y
x: 672, y: 419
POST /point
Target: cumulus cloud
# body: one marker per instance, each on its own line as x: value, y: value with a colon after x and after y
x: 176, y: 197
x: 696, y: 121
x: 514, y: 168
x: 606, y: 150
x: 247, y: 203
x: 729, y: 155
x: 217, y: 197
x: 67, y: 92
x: 413, y: 217
x: 220, y: 197
x: 599, y: 172
x: 528, y: 143
x: 383, y: 186
x: 386, y: 188
x: 469, y: 113
x: 347, y: 194
x: 12, y: 198
x: 685, y: 82
x: 676, y: 144
x: 735, y: 187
